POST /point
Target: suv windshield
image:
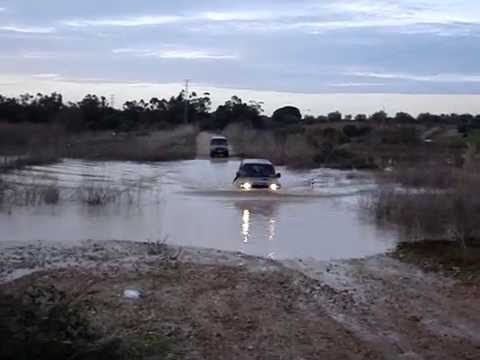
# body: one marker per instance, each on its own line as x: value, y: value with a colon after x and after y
x: 219, y: 142
x: 257, y: 170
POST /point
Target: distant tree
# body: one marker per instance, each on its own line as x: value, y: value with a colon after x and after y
x: 467, y: 119
x: 379, y: 117
x: 287, y: 115
x: 236, y: 111
x: 404, y: 118
x: 156, y: 104
x: 199, y: 107
x: 93, y: 109
x: 426, y: 118
x: 132, y: 111
x: 256, y: 105
x: 335, y: 116
x: 361, y: 118
x: 95, y: 113
x: 322, y: 119
x: 476, y: 122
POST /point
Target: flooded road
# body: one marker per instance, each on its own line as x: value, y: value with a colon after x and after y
x: 193, y: 203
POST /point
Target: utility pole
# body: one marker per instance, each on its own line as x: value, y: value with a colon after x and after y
x: 186, y: 99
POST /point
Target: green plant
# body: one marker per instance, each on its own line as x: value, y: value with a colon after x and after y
x: 44, y: 323
x: 474, y: 138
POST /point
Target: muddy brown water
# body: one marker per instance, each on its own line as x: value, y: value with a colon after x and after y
x: 193, y: 203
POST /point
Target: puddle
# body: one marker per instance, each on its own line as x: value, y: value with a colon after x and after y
x: 193, y: 203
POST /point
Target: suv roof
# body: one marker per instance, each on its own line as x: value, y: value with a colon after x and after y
x: 256, y: 161
x: 218, y: 138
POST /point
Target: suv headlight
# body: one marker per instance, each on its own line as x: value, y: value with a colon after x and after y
x: 274, y: 187
x: 246, y: 186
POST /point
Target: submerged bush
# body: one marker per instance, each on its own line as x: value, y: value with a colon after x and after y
x: 438, y: 177
x: 418, y: 215
x: 12, y: 194
x: 452, y: 213
x: 51, y: 195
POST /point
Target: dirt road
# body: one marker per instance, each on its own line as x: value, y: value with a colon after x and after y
x: 216, y: 305
x: 400, y: 311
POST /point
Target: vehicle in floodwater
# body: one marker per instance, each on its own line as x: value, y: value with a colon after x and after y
x: 257, y: 174
x: 219, y: 147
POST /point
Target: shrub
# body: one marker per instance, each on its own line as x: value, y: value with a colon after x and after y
x: 453, y: 213
x: 417, y: 215
x: 350, y: 130
x: 335, y: 136
x: 402, y: 135
x: 438, y: 177
x: 47, y: 323
x: 25, y: 137
x: 287, y: 115
x: 335, y: 116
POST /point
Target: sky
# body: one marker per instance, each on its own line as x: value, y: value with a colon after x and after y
x: 320, y: 55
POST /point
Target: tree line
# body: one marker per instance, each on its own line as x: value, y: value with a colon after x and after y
x: 96, y: 113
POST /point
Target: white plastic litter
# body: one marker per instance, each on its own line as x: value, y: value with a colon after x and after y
x: 132, y: 294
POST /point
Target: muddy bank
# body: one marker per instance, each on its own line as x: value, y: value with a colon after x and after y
x: 398, y: 309
x: 446, y: 257
x: 200, y: 300
x: 218, y: 305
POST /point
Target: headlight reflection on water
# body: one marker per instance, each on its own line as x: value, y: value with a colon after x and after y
x: 271, y: 229
x: 246, y: 225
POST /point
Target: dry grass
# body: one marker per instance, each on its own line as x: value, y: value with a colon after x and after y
x: 29, y: 145
x: 23, y: 139
x: 418, y: 215
x: 21, y: 136
x: 297, y: 147
x: 451, y: 212
x: 97, y: 195
x: 282, y: 149
x: 249, y: 142
x: 177, y: 144
x: 93, y: 194
x: 28, y: 195
x: 429, y: 177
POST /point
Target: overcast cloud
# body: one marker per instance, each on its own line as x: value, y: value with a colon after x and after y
x: 295, y: 46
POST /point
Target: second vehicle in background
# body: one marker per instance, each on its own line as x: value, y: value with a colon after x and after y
x: 219, y: 147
